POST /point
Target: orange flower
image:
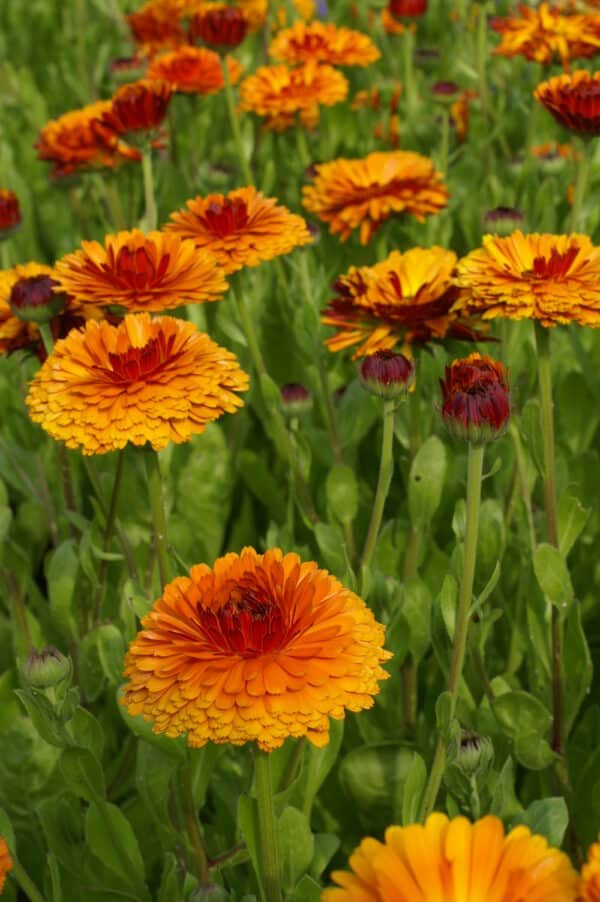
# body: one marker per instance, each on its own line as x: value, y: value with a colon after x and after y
x: 254, y: 11
x: 219, y: 26
x: 324, y: 43
x: 241, y: 228
x: 193, y: 70
x: 446, y: 860
x: 138, y: 107
x: 261, y: 647
x: 573, y: 100
x: 146, y: 380
x: 152, y: 272
x: 6, y: 863
x: 552, y: 151
x: 543, y: 35
x: 10, y: 214
x: 279, y: 93
x: 590, y: 875
x: 156, y: 26
x: 552, y: 278
x: 407, y: 298
x: 349, y: 194
x: 459, y: 113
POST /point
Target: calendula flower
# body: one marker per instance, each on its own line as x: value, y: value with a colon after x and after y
x: 254, y: 11
x: 543, y: 35
x: 15, y: 333
x: 146, y: 380
x: 364, y: 193
x: 503, y: 220
x: 6, y: 864
x: 406, y: 299
x: 10, y: 213
x: 138, y: 109
x: 156, y: 26
x: 475, y: 399
x: 219, y: 26
x: 280, y: 93
x: 241, y: 228
x: 193, y: 70
x: 446, y: 860
x: 141, y: 272
x: 552, y: 278
x: 260, y: 647
x: 387, y: 375
x: 590, y: 875
x: 407, y: 8
x: 573, y: 100
x: 323, y: 43
x: 552, y: 155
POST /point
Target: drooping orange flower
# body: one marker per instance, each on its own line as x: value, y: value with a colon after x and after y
x: 590, y: 875
x: 364, y: 193
x: 573, y: 100
x: 323, y: 43
x: 241, y: 228
x: 141, y: 272
x: 146, y: 380
x: 280, y: 93
x: 551, y: 278
x: 10, y: 213
x: 544, y: 34
x: 156, y: 26
x: 138, y: 108
x: 260, y: 647
x: 6, y: 863
x: 406, y: 299
x: 193, y: 70
x: 445, y: 860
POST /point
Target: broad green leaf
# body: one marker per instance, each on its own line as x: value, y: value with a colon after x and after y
x: 111, y: 838
x: 578, y: 668
x: 44, y: 717
x: 307, y: 890
x: 572, y: 517
x: 295, y: 844
x: 426, y: 481
x: 373, y: 778
x: 413, y: 790
x: 247, y: 818
x: 341, y: 489
x: 518, y: 713
x: 82, y: 773
x: 552, y: 575
x: 546, y: 817
x: 111, y: 651
x: 61, y: 568
x: 326, y: 845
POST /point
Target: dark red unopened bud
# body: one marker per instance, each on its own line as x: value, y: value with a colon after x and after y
x: 386, y: 374
x: 295, y: 399
x: 503, y: 220
x: 10, y: 214
x: 139, y: 107
x: 476, y: 399
x: 221, y: 28
x: 445, y: 91
x: 35, y: 300
x: 407, y: 8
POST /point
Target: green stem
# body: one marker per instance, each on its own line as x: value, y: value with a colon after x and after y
x: 408, y: 70
x: 266, y: 820
x: 158, y: 515
x: 444, y: 140
x: 190, y: 814
x: 4, y: 254
x: 475, y: 466
x: 581, y: 180
x: 482, y: 57
x: 123, y: 540
x: 302, y: 146
x: 408, y: 670
x: 47, y: 339
x: 235, y: 124
x: 25, y: 882
x: 108, y: 532
x: 386, y: 469
x: 149, y: 200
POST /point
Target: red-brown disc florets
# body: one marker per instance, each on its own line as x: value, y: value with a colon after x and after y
x: 476, y: 399
x: 223, y: 27
x: 10, y: 213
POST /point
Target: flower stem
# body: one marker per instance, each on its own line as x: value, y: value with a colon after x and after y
x: 444, y: 140
x: 386, y: 469
x: 159, y: 519
x: 4, y: 255
x: 408, y: 670
x: 302, y: 146
x: 475, y: 466
x: 266, y: 820
x: 47, y: 339
x: 191, y: 821
x: 482, y: 57
x: 408, y: 44
x: 25, y: 882
x: 108, y: 531
x: 150, y: 202
x: 235, y: 124
x: 92, y: 474
x: 581, y: 180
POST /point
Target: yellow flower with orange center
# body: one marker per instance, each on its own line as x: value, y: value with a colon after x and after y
x: 323, y: 43
x: 193, y: 70
x: 241, y: 228
x: 6, y: 863
x: 280, y: 93
x: 141, y: 272
x: 364, y: 193
x: 551, y: 278
x: 590, y: 875
x: 154, y: 380
x: 446, y: 860
x: 544, y: 34
x: 260, y: 647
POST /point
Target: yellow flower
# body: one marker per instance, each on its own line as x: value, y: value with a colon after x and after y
x: 323, y: 43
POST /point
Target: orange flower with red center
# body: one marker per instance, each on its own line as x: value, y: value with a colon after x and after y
x: 138, y: 108
x: 551, y: 278
x: 156, y: 26
x: 260, y: 647
x: 364, y: 193
x: 280, y: 93
x: 6, y: 863
x: 590, y: 875
x: 221, y: 27
x: 544, y: 34
x: 10, y: 213
x: 241, y: 228
x: 193, y: 70
x: 152, y: 272
x: 323, y: 43
x: 146, y: 380
x: 573, y: 100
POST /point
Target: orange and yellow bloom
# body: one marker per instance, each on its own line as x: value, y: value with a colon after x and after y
x: 138, y: 108
x: 193, y: 70
x: 6, y: 863
x: 15, y: 333
x: 573, y: 100
x: 323, y: 43
x: 590, y: 875
x: 544, y: 34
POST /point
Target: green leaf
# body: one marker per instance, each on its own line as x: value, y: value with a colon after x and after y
x: 357, y: 413
x: 578, y: 668
x: 247, y: 818
x: 532, y: 433
x: 413, y: 790
x: 44, y: 717
x: 91, y: 673
x: 295, y: 844
x: 7, y: 831
x: 168, y: 890
x: 320, y: 761
x: 486, y: 591
x: 533, y: 752
x: 326, y: 845
x: 443, y: 713
x: 82, y: 773
x: 111, y: 839
x: 330, y: 540
x: 341, y: 489
x: 546, y: 817
x: 518, y: 712
x: 374, y: 778
x: 111, y: 651
x: 61, y: 569
x: 87, y: 731
x: 307, y: 890
x: 416, y: 610
x: 572, y: 517
x: 426, y: 481
x: 552, y: 575
x: 260, y: 481
x: 448, y: 599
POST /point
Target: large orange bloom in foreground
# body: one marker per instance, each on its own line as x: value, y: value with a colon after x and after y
x: 194, y: 70
x: 146, y: 380
x: 552, y: 278
x: 324, y: 43
x: 241, y: 228
x: 141, y: 272
x: 590, y: 875
x: 6, y: 864
x: 544, y: 34
x: 351, y: 194
x: 446, y: 860
x: 261, y: 647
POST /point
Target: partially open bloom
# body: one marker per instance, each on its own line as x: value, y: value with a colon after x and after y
x: 296, y: 400
x: 476, y: 399
x: 552, y: 278
x: 543, y: 35
x: 241, y: 228
x: 590, y: 875
x: 445, y: 860
x: 222, y: 27
x: 324, y: 43
x: 573, y: 100
x: 503, y: 220
x: 10, y: 213
x: 36, y: 300
x: 138, y: 108
x: 387, y: 375
x: 193, y: 70
x: 280, y: 93
x: 15, y: 333
x: 260, y: 647
x: 364, y: 193
x: 146, y: 380
x: 156, y: 27
x: 141, y: 272
x: 45, y: 667
x: 6, y: 863
x: 551, y: 155
x: 253, y: 11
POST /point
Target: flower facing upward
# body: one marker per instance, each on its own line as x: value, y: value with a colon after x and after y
x: 221, y: 27
x: 551, y: 278
x: 10, y: 213
x: 6, y: 863
x: 253, y: 11
x: 324, y: 43
x: 146, y: 380
x: 544, y: 34
x: 590, y: 875
x: 476, y: 399
x: 447, y: 860
x: 141, y: 272
x: 280, y: 93
x: 193, y: 70
x: 364, y: 193
x: 241, y: 228
x: 573, y: 100
x: 260, y: 647
x: 138, y: 108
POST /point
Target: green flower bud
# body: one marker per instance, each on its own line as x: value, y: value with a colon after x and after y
x: 46, y: 668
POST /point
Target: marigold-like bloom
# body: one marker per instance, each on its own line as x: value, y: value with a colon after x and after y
x: 590, y: 875
x: 551, y: 152
x: 146, y: 380
x: 156, y: 26
x: 221, y: 27
x: 138, y: 107
x: 254, y: 11
x: 10, y: 213
x: 476, y: 399
x: 261, y: 647
x: 279, y: 93
x: 6, y: 863
x: 323, y: 43
x: 364, y: 193
x: 573, y: 100
x: 193, y: 70
x: 544, y: 34
x: 552, y: 278
x: 140, y: 272
x: 446, y: 860
x: 305, y: 8
x: 241, y: 228
x: 407, y: 298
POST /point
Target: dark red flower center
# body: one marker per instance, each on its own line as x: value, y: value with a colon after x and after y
x: 227, y: 218
x: 220, y: 27
x: 407, y: 7
x: 10, y: 215
x: 36, y: 291
x: 248, y: 624
x: 557, y: 267
x: 138, y: 363
x: 135, y: 269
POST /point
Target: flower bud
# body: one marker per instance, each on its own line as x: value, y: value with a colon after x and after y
x: 138, y: 109
x: 35, y: 300
x: 221, y: 28
x: 503, y: 220
x: 476, y: 399
x: 295, y: 399
x: 474, y: 753
x: 408, y: 8
x: 46, y: 668
x: 445, y: 92
x: 10, y: 214
x: 387, y: 375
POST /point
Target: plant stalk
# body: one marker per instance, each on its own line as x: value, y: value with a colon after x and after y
x: 149, y: 199
x: 25, y: 882
x: 191, y: 821
x: 386, y: 469
x: 235, y: 124
x: 108, y: 532
x: 159, y: 519
x: 266, y: 820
